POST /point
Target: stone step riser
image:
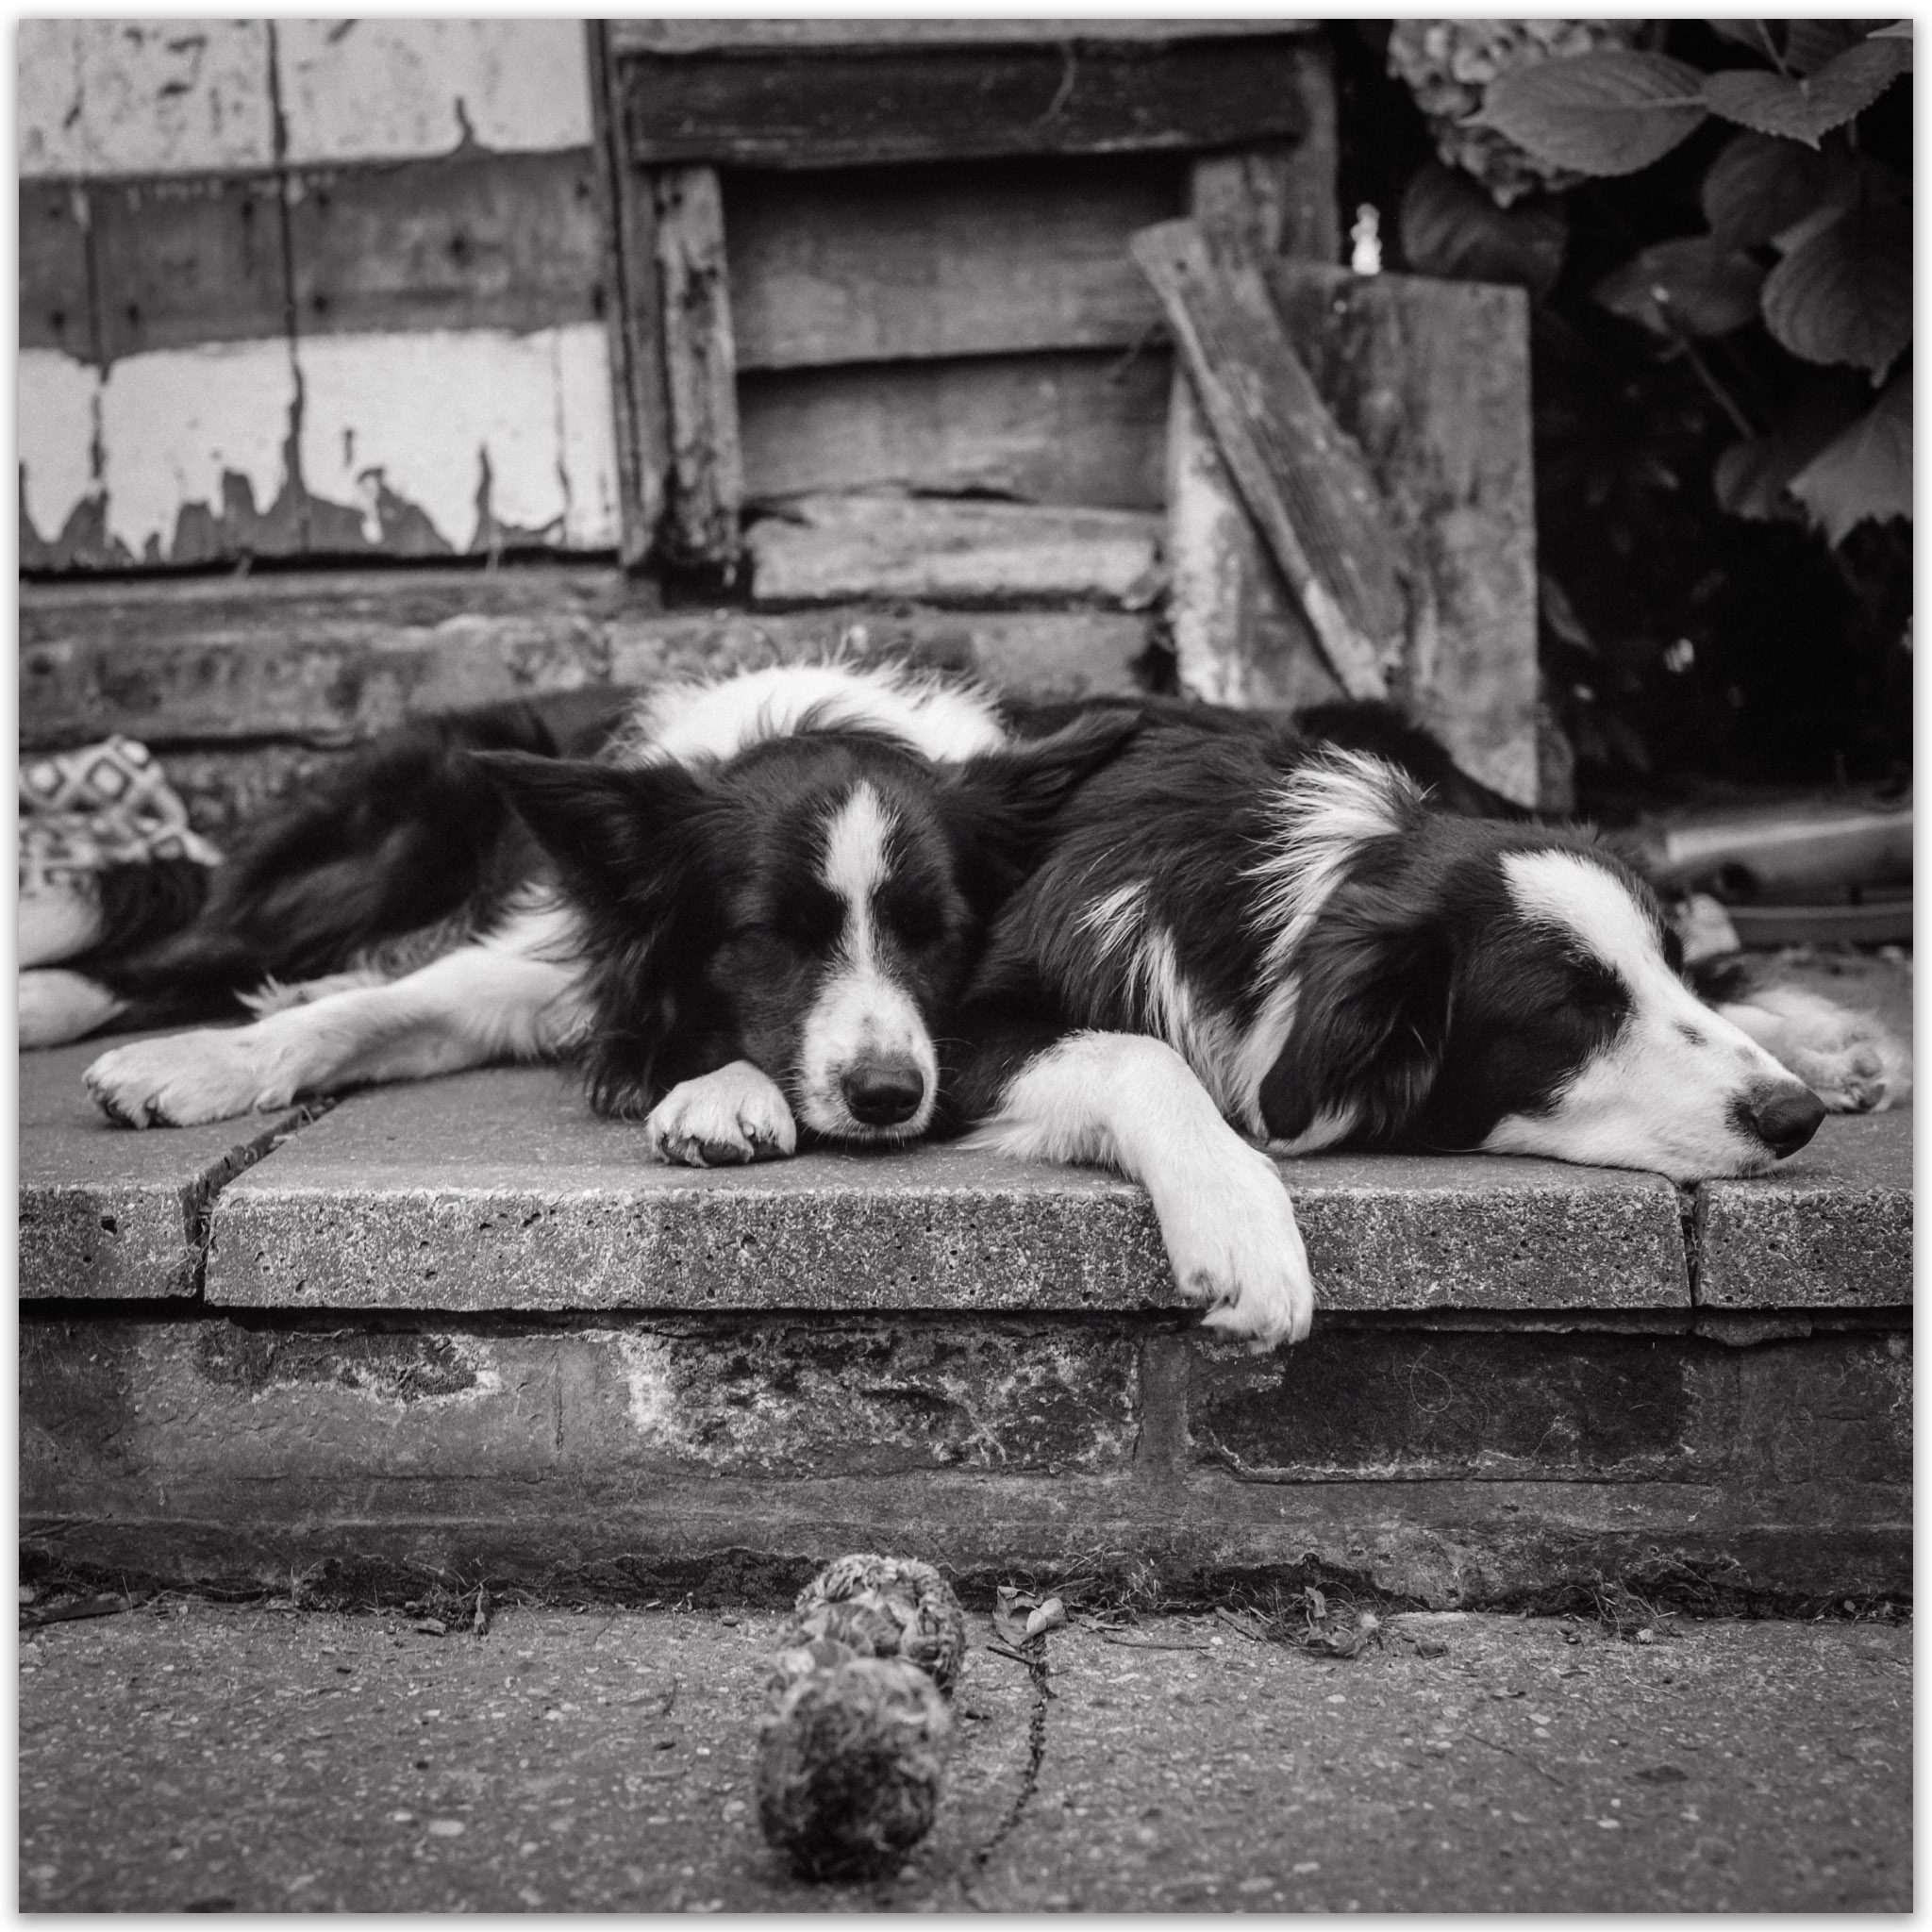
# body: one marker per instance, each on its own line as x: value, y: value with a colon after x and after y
x: 1448, y: 1466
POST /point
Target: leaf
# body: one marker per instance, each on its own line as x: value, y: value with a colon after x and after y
x: 1810, y: 44
x: 1866, y: 473
x: 1755, y: 34
x: 1688, y: 286
x: 1759, y: 184
x: 1752, y: 478
x: 1846, y: 294
x: 1604, y: 113
x: 1807, y: 109
x: 1450, y: 229
x: 1049, y: 1616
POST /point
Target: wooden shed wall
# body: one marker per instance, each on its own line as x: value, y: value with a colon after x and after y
x: 310, y: 287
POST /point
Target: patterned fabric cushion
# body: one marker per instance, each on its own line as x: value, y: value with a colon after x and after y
x: 108, y: 804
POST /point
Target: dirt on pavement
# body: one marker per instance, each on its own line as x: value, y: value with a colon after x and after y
x: 184, y: 1755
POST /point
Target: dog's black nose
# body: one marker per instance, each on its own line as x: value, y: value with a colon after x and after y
x: 884, y: 1093
x: 1787, y: 1119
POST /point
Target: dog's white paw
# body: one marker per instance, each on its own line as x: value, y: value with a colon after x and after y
x: 1851, y: 1059
x: 1234, y: 1243
x: 1849, y: 1080
x: 725, y: 1119
x: 183, y: 1079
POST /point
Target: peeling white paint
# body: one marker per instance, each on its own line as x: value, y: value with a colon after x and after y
x: 362, y: 88
x: 54, y: 420
x: 175, y: 422
x: 144, y: 96
x: 419, y: 410
x: 49, y: 135
x: 422, y: 409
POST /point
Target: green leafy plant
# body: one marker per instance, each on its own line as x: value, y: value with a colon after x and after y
x: 1807, y: 236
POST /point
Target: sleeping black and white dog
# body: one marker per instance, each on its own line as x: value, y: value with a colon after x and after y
x: 852, y: 902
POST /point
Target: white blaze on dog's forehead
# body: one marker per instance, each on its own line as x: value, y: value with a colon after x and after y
x: 857, y: 857
x: 1588, y: 902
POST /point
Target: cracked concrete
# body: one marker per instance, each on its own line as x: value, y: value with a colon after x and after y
x: 191, y: 1755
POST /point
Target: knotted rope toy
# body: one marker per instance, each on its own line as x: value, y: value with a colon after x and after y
x: 857, y: 1726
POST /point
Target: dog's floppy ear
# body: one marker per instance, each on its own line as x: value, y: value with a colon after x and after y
x: 1371, y: 1021
x: 1002, y: 804
x: 611, y: 831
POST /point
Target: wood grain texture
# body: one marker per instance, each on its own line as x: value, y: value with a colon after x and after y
x: 879, y: 264
x: 330, y: 659
x: 55, y: 304
x: 788, y: 109
x: 1070, y: 428
x: 828, y: 549
x: 707, y: 480
x: 1304, y: 481
x: 1432, y: 379
x: 186, y: 259
x: 1281, y: 198
x: 740, y: 35
x: 471, y: 241
x: 627, y: 225
x: 1240, y: 637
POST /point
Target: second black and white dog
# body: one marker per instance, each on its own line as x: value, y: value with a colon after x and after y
x: 850, y: 902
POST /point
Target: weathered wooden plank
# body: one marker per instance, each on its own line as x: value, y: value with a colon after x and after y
x: 49, y: 135
x: 54, y: 306
x: 491, y: 437
x: 786, y: 109
x: 633, y: 314
x: 1281, y: 198
x: 364, y: 90
x: 468, y: 241
x: 411, y: 444
x: 700, y: 368
x: 1240, y: 637
x: 1074, y: 428
x: 827, y: 549
x: 180, y: 260
x: 738, y: 36
x: 144, y: 96
x: 877, y: 264
x: 1305, y: 483
x: 331, y: 659
x: 1432, y: 380
x: 60, y: 453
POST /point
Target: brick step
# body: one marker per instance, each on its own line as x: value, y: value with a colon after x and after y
x: 460, y: 1328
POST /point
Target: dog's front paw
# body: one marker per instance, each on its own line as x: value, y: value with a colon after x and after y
x: 1234, y: 1244
x: 725, y: 1119
x: 1851, y: 1079
x: 181, y: 1081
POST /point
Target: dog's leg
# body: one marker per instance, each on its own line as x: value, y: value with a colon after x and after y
x: 484, y: 1003
x: 56, y: 1006
x: 1849, y: 1059
x: 722, y: 1119
x: 1132, y: 1102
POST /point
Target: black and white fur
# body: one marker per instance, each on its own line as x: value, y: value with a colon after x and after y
x: 752, y: 912
x: 1341, y: 962
x: 759, y: 909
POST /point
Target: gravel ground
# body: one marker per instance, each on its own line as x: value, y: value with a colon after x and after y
x: 215, y: 1758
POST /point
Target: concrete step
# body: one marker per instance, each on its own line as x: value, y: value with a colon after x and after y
x: 462, y: 1327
